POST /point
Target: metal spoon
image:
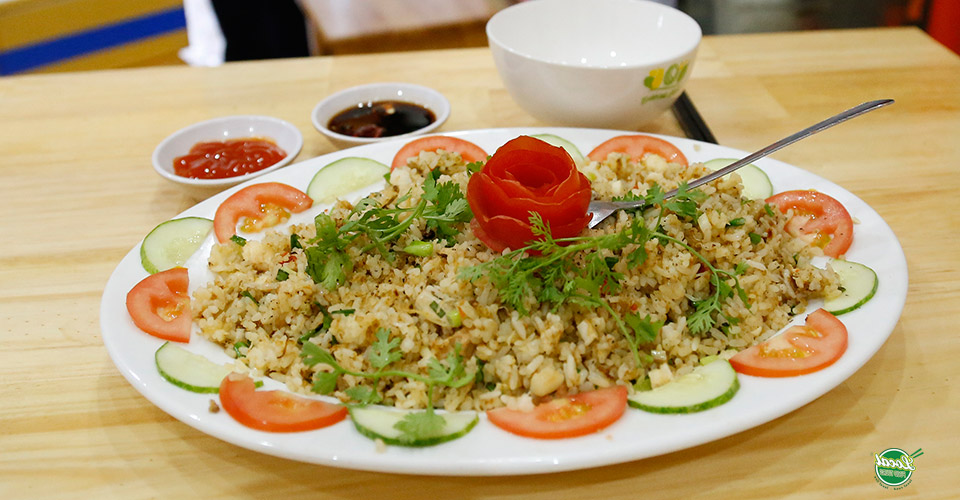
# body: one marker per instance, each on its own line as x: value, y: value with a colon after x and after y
x: 600, y: 209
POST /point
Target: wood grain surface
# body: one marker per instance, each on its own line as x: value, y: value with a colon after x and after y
x: 78, y: 193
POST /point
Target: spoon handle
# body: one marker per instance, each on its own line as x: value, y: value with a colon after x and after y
x: 786, y: 141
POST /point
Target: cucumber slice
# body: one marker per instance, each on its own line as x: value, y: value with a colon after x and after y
x: 380, y: 423
x: 858, y: 284
x: 705, y: 387
x: 171, y: 243
x: 756, y: 184
x: 189, y: 371
x: 563, y: 143
x: 344, y: 176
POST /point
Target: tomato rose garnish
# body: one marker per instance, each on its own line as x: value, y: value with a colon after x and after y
x: 527, y: 175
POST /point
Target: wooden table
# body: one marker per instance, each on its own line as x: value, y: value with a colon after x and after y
x: 78, y: 192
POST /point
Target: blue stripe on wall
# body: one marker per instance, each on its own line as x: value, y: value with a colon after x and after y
x: 50, y: 51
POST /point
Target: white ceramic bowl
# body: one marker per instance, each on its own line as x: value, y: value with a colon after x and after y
x: 287, y: 137
x: 362, y: 94
x: 593, y: 63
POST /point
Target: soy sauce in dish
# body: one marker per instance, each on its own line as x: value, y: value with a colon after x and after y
x: 381, y: 119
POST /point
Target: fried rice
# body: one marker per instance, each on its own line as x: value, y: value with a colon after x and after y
x: 520, y: 359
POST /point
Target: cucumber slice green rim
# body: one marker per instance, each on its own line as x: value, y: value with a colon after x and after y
x: 756, y: 184
x: 343, y: 177
x: 565, y: 144
x: 171, y: 243
x: 189, y: 371
x: 858, y: 285
x: 380, y: 423
x: 706, y: 387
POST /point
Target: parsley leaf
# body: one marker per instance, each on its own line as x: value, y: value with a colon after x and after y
x: 686, y: 202
x: 313, y: 354
x: 384, y: 351
x: 419, y: 425
x: 453, y: 374
x: 644, y: 330
x: 364, y: 395
x: 325, y: 382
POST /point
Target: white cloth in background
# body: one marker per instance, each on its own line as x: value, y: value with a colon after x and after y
x: 207, y: 46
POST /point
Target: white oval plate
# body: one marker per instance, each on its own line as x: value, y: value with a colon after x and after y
x: 487, y: 450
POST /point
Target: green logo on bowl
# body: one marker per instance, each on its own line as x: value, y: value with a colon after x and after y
x: 894, y: 467
x: 665, y: 82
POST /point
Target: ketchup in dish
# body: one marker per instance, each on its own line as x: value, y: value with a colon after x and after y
x: 229, y: 158
x: 381, y: 119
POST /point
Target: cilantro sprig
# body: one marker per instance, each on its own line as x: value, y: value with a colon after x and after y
x: 442, y: 207
x: 580, y: 270
x: 382, y: 353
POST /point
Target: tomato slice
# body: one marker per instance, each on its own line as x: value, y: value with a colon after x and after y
x: 160, y: 306
x: 577, y: 415
x: 636, y: 146
x: 264, y: 204
x: 799, y: 350
x: 469, y: 151
x: 817, y: 218
x: 275, y: 411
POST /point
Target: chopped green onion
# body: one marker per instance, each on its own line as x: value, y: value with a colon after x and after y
x: 437, y: 309
x: 345, y: 312
x: 324, y: 326
x: 419, y: 248
x: 739, y: 221
x: 238, y: 345
x: 478, y: 375
x: 768, y: 209
x: 454, y: 319
x: 755, y: 238
x: 311, y: 334
x: 282, y: 275
x: 239, y: 240
x: 295, y: 241
x: 250, y: 296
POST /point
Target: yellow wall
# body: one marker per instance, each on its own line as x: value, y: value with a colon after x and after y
x: 27, y: 22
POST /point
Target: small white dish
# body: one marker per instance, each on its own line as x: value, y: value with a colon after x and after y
x: 283, y: 133
x: 614, y: 64
x: 326, y: 109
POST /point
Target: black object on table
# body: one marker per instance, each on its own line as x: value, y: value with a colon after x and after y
x: 690, y: 120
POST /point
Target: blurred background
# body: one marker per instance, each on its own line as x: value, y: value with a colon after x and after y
x: 72, y: 35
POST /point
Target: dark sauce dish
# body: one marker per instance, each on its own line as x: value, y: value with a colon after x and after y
x: 381, y: 119
x: 379, y: 111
